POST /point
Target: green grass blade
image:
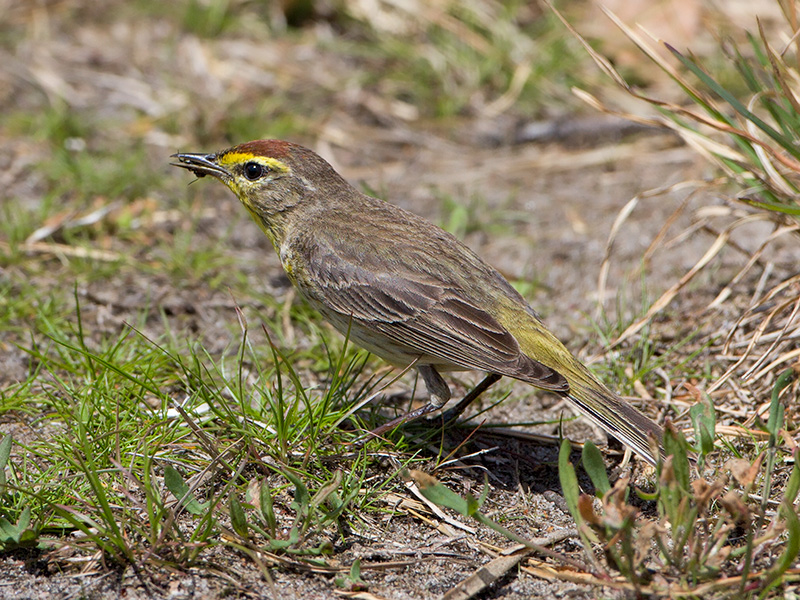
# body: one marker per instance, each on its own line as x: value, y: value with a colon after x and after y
x: 175, y: 484
x: 238, y: 518
x: 595, y: 467
x: 785, y: 143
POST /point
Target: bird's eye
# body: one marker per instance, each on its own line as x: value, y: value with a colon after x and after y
x: 253, y: 171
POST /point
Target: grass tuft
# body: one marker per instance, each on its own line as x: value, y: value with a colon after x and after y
x: 747, y: 127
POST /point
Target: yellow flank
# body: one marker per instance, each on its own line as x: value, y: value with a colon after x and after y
x: 237, y: 158
x: 288, y: 267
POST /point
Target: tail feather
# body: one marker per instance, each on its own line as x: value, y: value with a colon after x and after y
x: 586, y: 391
x: 617, y: 418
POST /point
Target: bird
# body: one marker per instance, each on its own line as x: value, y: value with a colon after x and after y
x: 405, y: 289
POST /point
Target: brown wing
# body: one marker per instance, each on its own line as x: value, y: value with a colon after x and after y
x: 431, y: 315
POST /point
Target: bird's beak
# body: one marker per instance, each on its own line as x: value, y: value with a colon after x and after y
x: 202, y: 165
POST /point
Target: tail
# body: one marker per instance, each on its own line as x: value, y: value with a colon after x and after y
x: 616, y: 417
x: 589, y: 395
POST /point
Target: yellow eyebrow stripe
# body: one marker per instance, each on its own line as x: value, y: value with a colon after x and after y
x: 236, y: 158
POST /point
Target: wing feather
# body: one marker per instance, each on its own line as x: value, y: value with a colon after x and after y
x: 430, y: 315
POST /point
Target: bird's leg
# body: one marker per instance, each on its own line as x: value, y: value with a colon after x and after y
x: 485, y: 384
x: 438, y: 391
x: 439, y: 395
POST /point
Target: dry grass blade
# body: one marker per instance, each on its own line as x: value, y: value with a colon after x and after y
x: 783, y: 358
x: 765, y: 322
x: 622, y: 216
x: 719, y: 243
x: 763, y: 129
x: 595, y: 103
x: 790, y: 321
x: 619, y: 221
x: 667, y: 297
x: 497, y: 568
x: 540, y: 569
x: 486, y: 575
x: 754, y: 258
x: 412, y: 487
x: 506, y: 101
x: 63, y: 251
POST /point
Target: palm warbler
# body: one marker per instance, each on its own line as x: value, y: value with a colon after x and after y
x: 403, y: 288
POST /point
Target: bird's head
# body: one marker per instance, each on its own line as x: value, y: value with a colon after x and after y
x: 270, y: 177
